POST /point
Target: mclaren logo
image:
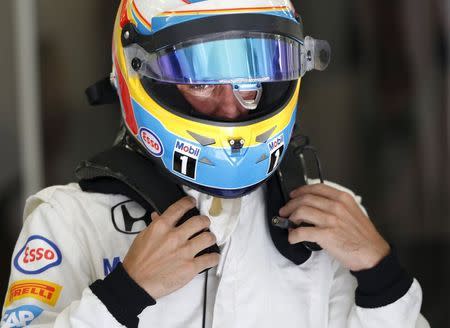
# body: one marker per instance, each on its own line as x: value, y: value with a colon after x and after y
x: 129, y: 217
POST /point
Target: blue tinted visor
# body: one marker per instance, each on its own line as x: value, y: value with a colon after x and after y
x: 225, y: 58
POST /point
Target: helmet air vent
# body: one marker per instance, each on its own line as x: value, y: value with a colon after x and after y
x: 262, y: 158
x: 263, y: 137
x: 206, y: 161
x: 202, y: 140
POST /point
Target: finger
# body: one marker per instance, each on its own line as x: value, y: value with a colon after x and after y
x: 175, y: 211
x: 206, y: 261
x: 312, y: 234
x: 321, y: 189
x: 154, y: 216
x: 311, y: 200
x: 192, y: 226
x: 200, y: 242
x: 314, y: 216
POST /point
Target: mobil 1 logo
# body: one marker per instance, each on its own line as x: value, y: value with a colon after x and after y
x: 185, y: 158
x: 276, y: 147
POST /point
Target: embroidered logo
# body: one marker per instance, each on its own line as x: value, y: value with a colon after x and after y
x: 108, y: 267
x: 129, y: 218
x: 37, y: 255
x: 44, y: 291
x: 21, y: 316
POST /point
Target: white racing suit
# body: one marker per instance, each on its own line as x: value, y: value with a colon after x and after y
x: 71, y: 239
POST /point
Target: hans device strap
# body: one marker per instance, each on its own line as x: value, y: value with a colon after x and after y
x: 120, y: 170
x: 102, y: 93
x: 290, y: 175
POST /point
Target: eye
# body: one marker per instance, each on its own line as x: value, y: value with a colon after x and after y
x: 200, y: 87
x: 200, y: 90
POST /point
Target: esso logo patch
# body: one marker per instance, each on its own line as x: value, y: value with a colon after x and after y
x: 151, y: 142
x: 38, y: 255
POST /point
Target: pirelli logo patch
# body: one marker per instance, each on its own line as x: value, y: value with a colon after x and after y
x: 44, y: 291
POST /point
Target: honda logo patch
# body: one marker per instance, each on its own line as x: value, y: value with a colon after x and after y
x: 129, y: 217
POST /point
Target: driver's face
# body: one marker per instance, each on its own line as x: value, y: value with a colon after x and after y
x: 215, y: 100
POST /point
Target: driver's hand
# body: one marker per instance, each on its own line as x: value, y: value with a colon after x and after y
x: 162, y: 257
x: 340, y: 225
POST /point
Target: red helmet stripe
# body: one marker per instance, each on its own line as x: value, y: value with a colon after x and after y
x: 124, y: 13
x: 126, y: 101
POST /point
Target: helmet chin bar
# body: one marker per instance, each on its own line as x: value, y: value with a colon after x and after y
x: 243, y: 87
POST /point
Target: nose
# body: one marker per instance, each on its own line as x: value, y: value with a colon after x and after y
x: 227, y: 104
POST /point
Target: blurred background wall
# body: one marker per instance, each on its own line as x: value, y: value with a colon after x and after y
x: 379, y: 116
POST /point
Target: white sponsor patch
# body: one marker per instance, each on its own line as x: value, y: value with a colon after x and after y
x: 276, y: 148
x: 151, y: 142
x: 187, y: 148
x: 38, y: 255
x: 20, y: 316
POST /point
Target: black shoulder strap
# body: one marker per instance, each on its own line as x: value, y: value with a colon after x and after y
x: 124, y: 171
x: 133, y: 171
x: 102, y: 93
x: 286, y: 178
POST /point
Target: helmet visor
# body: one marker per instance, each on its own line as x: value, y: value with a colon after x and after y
x: 225, y: 58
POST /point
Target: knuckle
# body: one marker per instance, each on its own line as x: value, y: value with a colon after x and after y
x: 210, y: 238
x: 159, y: 226
x: 345, y: 197
x: 203, y: 221
x: 293, y: 237
x: 307, y: 198
x: 206, y: 221
x: 299, y: 211
x: 295, y: 234
x: 191, y: 267
x: 214, y: 259
x: 295, y: 216
x: 200, y: 222
x: 290, y: 238
x: 328, y: 233
x: 302, y: 211
x: 177, y: 207
x: 165, y: 225
x: 332, y: 219
x: 186, y: 252
x: 187, y: 202
x: 173, y: 239
x: 210, y: 260
x: 196, y: 222
x: 182, y: 205
x: 154, y: 216
x: 337, y: 207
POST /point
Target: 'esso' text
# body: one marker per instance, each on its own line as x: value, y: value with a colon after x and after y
x: 151, y: 142
x: 36, y: 254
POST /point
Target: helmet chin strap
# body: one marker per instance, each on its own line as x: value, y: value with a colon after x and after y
x: 249, y: 104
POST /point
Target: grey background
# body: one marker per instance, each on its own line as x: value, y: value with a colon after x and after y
x: 379, y: 116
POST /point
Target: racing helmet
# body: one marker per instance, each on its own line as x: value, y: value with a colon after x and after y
x: 254, y: 46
